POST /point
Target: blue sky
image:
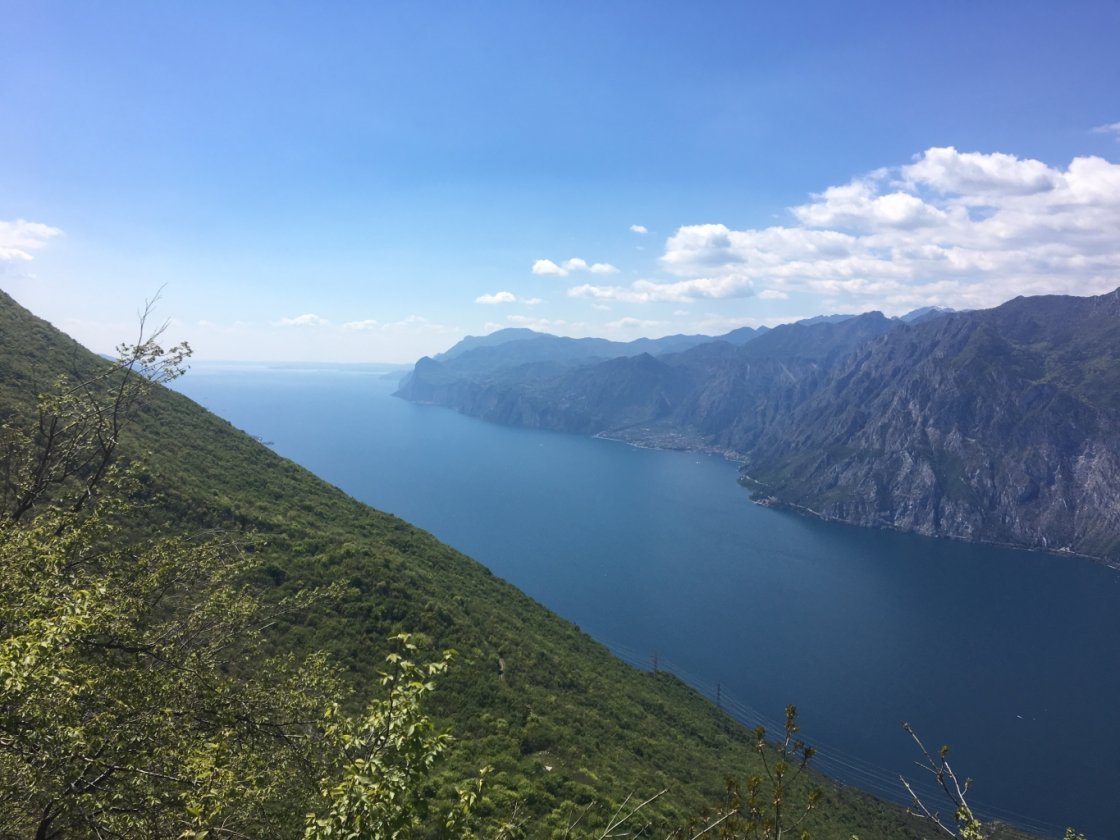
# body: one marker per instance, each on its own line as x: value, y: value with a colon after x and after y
x: 372, y: 181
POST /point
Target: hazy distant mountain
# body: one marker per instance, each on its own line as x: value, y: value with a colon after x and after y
x: 824, y: 319
x: 697, y: 397
x: 742, y: 335
x: 925, y: 313
x: 511, y: 347
x: 1001, y: 425
x: 472, y: 342
x: 484, y: 357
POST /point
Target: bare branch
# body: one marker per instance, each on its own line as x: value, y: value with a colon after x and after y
x: 616, y: 822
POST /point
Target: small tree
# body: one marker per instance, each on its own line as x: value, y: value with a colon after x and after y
x: 965, y: 824
x: 63, y: 457
x: 772, y: 804
x: 378, y: 762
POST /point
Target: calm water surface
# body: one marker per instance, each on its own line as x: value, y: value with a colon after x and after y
x: 1007, y: 655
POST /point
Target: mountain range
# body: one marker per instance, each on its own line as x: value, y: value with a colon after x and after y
x: 999, y: 425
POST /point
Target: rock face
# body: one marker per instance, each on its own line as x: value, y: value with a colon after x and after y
x: 1000, y: 425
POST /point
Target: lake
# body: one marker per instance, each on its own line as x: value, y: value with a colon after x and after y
x: 661, y: 556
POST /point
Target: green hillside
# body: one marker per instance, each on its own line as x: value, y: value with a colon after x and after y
x: 562, y: 722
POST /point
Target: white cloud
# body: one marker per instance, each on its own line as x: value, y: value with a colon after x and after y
x: 682, y: 291
x: 20, y: 237
x: 961, y: 229
x: 310, y: 319
x: 601, y: 292
x: 507, y: 297
x: 548, y: 267
x: 639, y: 228
x: 974, y: 174
x: 772, y: 294
x: 1111, y: 128
x: 366, y: 324
x: 497, y: 297
x: 858, y: 207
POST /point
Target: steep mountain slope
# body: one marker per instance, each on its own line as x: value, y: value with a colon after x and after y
x: 737, y: 397
x: 996, y: 425
x: 562, y: 721
x: 1001, y: 425
x: 715, y: 395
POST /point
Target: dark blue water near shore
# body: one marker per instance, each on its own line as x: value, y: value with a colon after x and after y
x: 1007, y: 655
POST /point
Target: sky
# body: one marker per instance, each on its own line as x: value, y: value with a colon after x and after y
x: 370, y: 182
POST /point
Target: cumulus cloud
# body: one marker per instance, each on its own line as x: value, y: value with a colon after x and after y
x: 639, y: 228
x: 309, y: 319
x: 682, y: 291
x: 548, y: 267
x: 506, y: 297
x: 961, y: 229
x: 20, y: 237
x: 972, y: 174
x: 772, y: 294
x: 497, y: 297
x: 1111, y: 128
x: 365, y: 324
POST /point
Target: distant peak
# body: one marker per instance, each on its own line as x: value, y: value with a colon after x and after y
x: 826, y: 319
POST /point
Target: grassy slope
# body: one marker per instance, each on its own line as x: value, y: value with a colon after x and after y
x: 605, y: 729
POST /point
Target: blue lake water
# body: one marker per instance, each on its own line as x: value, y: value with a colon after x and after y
x: 1006, y: 655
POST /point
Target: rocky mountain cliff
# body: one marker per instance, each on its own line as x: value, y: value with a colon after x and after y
x: 1000, y: 425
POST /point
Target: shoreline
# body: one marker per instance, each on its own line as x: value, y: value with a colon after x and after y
x: 683, y: 441
x: 758, y: 496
